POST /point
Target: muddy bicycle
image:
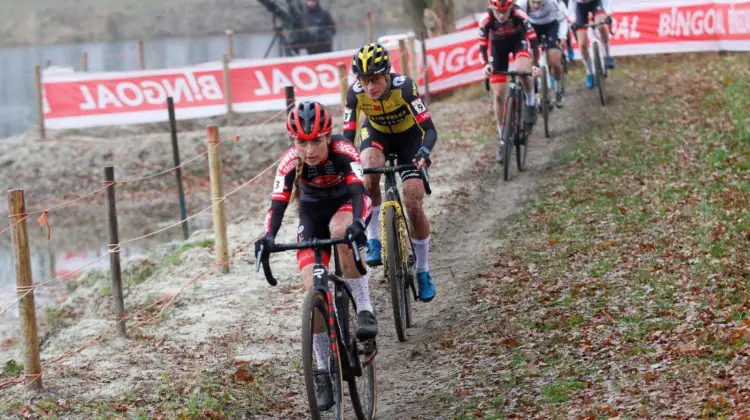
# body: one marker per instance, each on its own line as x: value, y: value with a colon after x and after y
x: 350, y: 360
x: 515, y: 129
x: 398, y: 258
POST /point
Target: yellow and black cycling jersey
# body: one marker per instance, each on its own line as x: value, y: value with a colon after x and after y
x: 398, y: 111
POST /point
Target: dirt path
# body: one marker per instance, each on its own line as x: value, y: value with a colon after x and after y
x: 220, y: 321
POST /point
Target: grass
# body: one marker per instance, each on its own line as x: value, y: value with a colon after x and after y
x: 175, y: 257
x: 640, y: 243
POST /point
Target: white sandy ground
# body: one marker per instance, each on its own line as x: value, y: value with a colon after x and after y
x: 237, y: 316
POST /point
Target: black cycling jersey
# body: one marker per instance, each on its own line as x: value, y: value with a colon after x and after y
x: 337, y: 178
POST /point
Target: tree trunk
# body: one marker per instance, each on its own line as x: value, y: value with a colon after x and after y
x: 446, y: 12
x: 415, y: 10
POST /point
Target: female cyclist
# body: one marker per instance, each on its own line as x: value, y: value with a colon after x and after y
x: 325, y: 173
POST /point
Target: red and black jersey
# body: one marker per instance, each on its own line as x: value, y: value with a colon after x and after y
x: 492, y: 32
x: 338, y: 175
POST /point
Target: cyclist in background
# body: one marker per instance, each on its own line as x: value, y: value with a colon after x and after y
x: 548, y: 20
x: 505, y: 29
x: 601, y: 10
x: 398, y: 122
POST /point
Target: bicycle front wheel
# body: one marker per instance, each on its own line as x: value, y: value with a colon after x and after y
x: 395, y: 271
x: 599, y: 73
x: 315, y: 321
x: 510, y: 132
x: 360, y: 374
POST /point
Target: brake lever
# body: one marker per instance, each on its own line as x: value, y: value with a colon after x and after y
x: 258, y: 258
x: 425, y: 180
x: 357, y: 258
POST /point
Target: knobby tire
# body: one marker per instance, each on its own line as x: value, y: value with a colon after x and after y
x: 395, y: 271
x: 510, y: 132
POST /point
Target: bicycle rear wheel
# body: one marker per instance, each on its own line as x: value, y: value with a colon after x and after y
x: 395, y: 271
x: 599, y: 73
x: 510, y: 132
x: 545, y: 100
x: 360, y: 374
x: 315, y: 313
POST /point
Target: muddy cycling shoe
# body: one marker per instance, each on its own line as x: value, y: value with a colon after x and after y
x: 531, y: 114
x: 323, y: 389
x: 368, y: 325
x: 372, y: 256
x: 499, y: 156
x: 610, y: 62
x: 559, y: 99
x: 590, y: 81
x: 425, y: 286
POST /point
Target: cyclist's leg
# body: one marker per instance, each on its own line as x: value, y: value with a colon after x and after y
x: 523, y: 63
x: 408, y: 145
x: 499, y: 83
x: 359, y: 284
x: 582, y: 18
x: 601, y: 16
x: 312, y: 224
x: 374, y: 148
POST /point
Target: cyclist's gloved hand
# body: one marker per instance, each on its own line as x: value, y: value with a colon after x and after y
x: 263, y: 243
x: 422, y: 158
x: 575, y: 26
x: 608, y: 20
x: 356, y: 233
x: 488, y: 70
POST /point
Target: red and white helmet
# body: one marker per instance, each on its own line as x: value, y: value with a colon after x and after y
x: 308, y: 121
x: 501, y: 5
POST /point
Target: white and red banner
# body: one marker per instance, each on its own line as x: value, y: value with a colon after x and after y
x: 75, y: 100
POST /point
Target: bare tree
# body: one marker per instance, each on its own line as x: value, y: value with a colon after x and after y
x: 438, y: 17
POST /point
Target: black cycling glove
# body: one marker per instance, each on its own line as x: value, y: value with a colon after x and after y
x: 356, y: 233
x: 263, y: 244
x: 423, y: 153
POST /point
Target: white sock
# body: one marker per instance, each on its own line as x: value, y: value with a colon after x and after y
x: 373, y: 229
x: 531, y: 98
x: 322, y: 350
x: 500, y: 131
x: 606, y: 49
x: 422, y: 249
x: 589, y: 68
x: 361, y: 293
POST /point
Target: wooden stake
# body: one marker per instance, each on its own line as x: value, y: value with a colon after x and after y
x: 289, y: 94
x: 178, y: 171
x: 411, y: 48
x: 26, y: 309
x: 141, y: 55
x: 370, y: 33
x: 227, y: 88
x: 114, y: 252
x: 217, y: 195
x: 403, y: 58
x: 230, y: 43
x: 426, y: 72
x: 343, y: 82
x: 85, y: 61
x: 40, y: 101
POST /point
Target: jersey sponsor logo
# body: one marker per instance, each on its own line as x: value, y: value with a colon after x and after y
x: 288, y: 162
x: 414, y: 89
x: 348, y: 114
x: 350, y: 126
x: 357, y: 170
x: 423, y: 117
x: 399, y: 80
x: 377, y: 107
x: 364, y: 134
x: 418, y: 105
x: 346, y: 148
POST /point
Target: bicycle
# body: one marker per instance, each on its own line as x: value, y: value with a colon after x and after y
x: 350, y: 360
x: 515, y: 130
x: 600, y: 67
x: 400, y: 271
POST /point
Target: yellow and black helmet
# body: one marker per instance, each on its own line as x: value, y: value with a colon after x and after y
x: 371, y: 59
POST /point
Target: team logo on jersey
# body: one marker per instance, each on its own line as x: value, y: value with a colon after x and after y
x: 364, y: 134
x: 347, y: 114
x: 419, y: 106
x: 414, y: 89
x: 346, y: 148
x: 399, y: 80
